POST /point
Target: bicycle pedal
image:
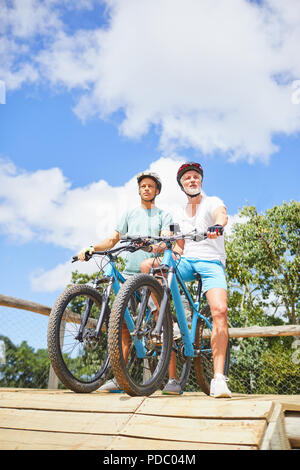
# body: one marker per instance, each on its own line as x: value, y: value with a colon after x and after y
x: 155, y: 340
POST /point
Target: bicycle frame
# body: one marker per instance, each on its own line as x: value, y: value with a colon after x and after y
x: 114, y: 279
x: 173, y: 278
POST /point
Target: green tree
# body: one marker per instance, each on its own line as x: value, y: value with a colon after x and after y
x: 23, y: 367
x: 263, y: 277
x: 263, y: 260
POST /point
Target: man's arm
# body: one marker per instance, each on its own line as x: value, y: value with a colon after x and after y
x: 179, y: 246
x: 221, y: 218
x: 106, y: 244
x: 165, y: 232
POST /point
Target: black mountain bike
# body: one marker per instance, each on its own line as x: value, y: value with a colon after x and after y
x: 78, y: 326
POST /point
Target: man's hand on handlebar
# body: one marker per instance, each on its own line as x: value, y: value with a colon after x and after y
x: 86, y: 253
x: 144, y: 245
x: 215, y: 231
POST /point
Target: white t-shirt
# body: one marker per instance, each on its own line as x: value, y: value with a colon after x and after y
x: 207, y: 249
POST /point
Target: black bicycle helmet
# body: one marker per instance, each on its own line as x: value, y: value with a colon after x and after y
x: 149, y: 174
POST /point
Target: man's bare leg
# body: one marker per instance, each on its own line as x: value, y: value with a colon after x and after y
x: 217, y: 299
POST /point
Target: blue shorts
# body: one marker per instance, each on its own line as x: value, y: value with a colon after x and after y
x: 212, y: 272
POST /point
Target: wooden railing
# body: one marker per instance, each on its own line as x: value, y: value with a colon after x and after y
x: 252, y: 331
x: 14, y: 302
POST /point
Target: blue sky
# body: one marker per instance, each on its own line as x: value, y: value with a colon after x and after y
x: 91, y: 100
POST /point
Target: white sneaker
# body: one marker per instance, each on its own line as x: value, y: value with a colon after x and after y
x: 111, y: 386
x: 218, y: 387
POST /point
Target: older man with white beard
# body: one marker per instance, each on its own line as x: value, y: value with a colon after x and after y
x: 206, y: 258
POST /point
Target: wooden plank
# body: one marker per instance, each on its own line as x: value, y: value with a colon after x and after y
x: 58, y: 421
x: 206, y: 407
x: 292, y: 427
x: 192, y: 421
x: 12, y: 439
x: 96, y: 402
x: 275, y: 437
x: 129, y: 443
x: 38, y: 391
x: 247, y: 432
x: 17, y: 439
x: 288, y: 402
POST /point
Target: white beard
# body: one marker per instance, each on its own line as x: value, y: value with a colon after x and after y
x: 193, y: 191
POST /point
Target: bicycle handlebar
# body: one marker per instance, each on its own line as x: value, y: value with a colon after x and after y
x: 194, y: 235
x: 145, y: 241
x: 88, y: 256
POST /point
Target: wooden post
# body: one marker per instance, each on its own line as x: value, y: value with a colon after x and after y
x: 53, y: 379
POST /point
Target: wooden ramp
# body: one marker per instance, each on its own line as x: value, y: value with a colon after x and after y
x: 62, y: 420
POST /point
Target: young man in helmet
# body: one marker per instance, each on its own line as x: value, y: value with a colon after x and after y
x: 144, y: 220
x: 206, y: 258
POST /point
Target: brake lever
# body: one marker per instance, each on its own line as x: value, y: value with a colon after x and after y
x: 132, y: 248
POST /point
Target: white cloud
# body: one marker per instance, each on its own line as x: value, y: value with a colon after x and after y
x: 57, y: 278
x: 212, y: 75
x: 209, y: 75
x: 28, y: 18
x: 42, y: 204
x: 29, y: 26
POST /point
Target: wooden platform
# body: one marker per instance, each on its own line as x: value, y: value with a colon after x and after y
x: 50, y: 419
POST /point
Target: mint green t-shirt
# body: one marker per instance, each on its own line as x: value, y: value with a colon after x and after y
x: 144, y: 223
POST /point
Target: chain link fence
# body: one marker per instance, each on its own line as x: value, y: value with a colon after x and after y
x: 258, y: 365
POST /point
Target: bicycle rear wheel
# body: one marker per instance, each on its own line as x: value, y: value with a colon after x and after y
x: 203, y: 364
x: 139, y: 361
x: 81, y: 362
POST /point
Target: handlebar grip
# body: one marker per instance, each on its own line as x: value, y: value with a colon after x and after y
x: 87, y: 257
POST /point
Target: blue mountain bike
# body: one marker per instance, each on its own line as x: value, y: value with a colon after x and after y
x: 78, y: 326
x: 141, y: 368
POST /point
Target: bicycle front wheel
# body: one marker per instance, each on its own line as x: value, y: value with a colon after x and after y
x: 203, y: 364
x: 138, y: 360
x: 79, y: 358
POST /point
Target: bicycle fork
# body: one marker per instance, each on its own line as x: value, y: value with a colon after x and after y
x: 88, y: 307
